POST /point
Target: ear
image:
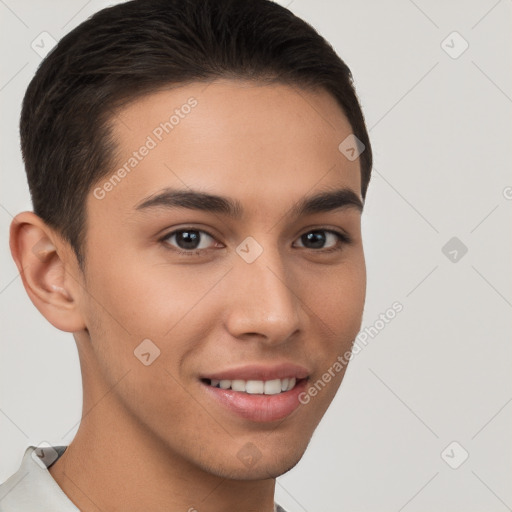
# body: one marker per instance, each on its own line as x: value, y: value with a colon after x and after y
x: 48, y: 270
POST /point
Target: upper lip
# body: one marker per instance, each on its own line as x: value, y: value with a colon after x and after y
x: 260, y: 372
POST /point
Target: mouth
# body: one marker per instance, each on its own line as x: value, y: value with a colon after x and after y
x: 256, y: 393
x: 255, y: 387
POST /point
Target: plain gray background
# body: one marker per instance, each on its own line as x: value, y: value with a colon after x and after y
x: 433, y: 385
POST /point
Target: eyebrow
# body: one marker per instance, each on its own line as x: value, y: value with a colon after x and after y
x: 169, y: 198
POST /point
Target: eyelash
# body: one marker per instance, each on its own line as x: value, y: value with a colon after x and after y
x: 343, y: 238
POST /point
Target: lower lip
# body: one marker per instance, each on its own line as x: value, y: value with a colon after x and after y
x: 259, y: 408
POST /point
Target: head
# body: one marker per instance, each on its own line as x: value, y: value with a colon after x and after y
x: 226, y: 120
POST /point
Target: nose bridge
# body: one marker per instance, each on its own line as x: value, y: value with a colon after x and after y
x: 264, y: 302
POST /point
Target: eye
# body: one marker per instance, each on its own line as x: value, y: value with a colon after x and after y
x: 319, y: 238
x: 189, y: 241
x: 194, y: 242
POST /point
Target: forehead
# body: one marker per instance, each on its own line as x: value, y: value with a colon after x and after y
x: 264, y: 144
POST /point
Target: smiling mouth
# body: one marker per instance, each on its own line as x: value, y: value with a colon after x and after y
x: 255, y: 387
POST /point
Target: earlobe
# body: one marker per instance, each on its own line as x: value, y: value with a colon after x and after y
x: 45, y: 268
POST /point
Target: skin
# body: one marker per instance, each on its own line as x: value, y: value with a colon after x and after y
x: 266, y: 146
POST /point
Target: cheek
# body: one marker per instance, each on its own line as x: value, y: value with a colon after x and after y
x: 338, y: 305
x: 339, y: 309
x: 149, y: 300
x: 339, y: 299
x: 129, y: 301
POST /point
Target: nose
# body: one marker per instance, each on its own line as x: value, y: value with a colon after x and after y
x: 262, y: 301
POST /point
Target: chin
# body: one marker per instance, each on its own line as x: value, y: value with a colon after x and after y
x: 271, y: 464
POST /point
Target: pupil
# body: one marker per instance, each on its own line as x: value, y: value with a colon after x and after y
x: 317, y: 238
x: 187, y: 239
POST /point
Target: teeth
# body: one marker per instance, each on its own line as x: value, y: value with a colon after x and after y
x: 256, y: 387
x: 272, y: 387
x: 252, y: 386
x: 225, y: 384
x: 238, y: 385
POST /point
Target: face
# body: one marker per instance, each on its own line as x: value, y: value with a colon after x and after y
x: 214, y: 284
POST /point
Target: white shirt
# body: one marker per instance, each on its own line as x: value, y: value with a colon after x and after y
x: 33, y: 489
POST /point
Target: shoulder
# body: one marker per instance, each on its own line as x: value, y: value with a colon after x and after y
x: 32, y: 488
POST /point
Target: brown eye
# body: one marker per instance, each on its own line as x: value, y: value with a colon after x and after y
x: 324, y: 239
x: 185, y: 240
